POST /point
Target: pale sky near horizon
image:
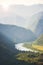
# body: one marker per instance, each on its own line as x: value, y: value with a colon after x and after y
x: 25, y: 2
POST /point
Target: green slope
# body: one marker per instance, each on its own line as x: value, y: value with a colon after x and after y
x: 39, y: 41
x: 38, y: 44
x: 35, y: 45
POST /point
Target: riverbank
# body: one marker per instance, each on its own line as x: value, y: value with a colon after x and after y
x: 20, y: 47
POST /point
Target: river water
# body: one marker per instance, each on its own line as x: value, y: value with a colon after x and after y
x: 20, y: 47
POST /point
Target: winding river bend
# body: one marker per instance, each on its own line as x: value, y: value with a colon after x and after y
x: 20, y: 47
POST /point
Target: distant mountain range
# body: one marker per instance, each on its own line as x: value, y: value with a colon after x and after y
x: 37, y: 26
x: 26, y: 11
x: 7, y: 51
x: 17, y: 34
x: 17, y: 17
x: 19, y: 13
x: 13, y: 19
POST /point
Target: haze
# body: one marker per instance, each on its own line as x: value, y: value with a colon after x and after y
x: 6, y: 10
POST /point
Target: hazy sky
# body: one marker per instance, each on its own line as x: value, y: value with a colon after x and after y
x: 25, y: 2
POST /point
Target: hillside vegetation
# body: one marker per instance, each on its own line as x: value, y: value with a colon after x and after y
x: 32, y: 57
x: 36, y: 45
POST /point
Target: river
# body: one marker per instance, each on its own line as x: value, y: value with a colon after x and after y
x: 20, y: 47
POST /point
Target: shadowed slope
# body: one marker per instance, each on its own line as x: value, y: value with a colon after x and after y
x: 17, y: 34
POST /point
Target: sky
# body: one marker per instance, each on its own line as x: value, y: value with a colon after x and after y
x: 25, y: 2
x: 6, y: 3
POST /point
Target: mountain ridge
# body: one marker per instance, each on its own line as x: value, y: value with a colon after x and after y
x: 17, y: 34
x: 37, y: 26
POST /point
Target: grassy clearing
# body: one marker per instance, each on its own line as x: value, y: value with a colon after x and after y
x: 34, y: 47
x: 38, y: 47
x: 29, y: 46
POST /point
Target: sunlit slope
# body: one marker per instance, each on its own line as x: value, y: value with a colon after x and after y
x: 38, y: 44
x: 35, y: 45
x: 39, y: 41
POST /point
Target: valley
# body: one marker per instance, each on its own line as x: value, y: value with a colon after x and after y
x: 35, y: 54
x: 21, y: 35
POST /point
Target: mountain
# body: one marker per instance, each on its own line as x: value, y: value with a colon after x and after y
x: 13, y: 19
x: 17, y: 34
x: 37, y: 26
x: 38, y: 44
x: 6, y: 42
x: 7, y: 51
x: 20, y: 13
x: 39, y: 41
